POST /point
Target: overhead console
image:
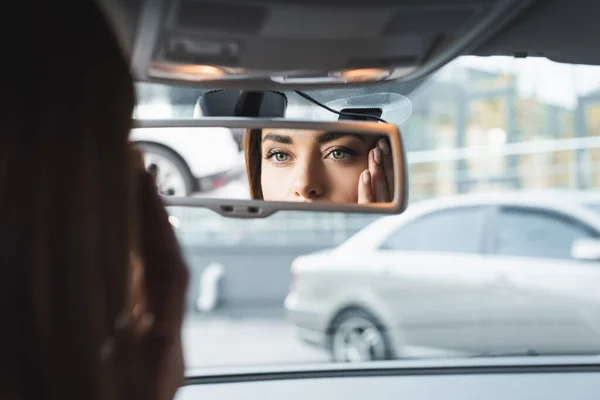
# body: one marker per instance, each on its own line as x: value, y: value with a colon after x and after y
x: 304, y: 43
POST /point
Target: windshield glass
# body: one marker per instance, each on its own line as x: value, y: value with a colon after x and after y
x: 451, y: 277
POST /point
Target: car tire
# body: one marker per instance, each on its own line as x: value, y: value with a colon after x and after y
x: 173, y: 175
x: 357, y: 336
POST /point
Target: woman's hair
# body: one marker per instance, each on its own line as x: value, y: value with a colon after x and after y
x: 67, y: 220
x: 252, y: 152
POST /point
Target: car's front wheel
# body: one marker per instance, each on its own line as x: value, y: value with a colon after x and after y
x: 173, y: 177
x: 357, y: 336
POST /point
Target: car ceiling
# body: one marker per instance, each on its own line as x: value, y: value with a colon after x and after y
x: 564, y: 31
x: 561, y: 30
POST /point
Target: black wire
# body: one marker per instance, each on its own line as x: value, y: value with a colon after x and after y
x: 344, y: 114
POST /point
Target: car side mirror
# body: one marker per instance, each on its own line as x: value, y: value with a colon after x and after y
x: 586, y: 249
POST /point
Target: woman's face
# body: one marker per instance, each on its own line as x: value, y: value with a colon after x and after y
x: 311, y: 166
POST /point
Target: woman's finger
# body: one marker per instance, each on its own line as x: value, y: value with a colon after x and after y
x: 388, y: 165
x: 138, y: 159
x: 139, y: 164
x: 165, y: 275
x: 379, y: 183
x: 365, y: 193
x: 165, y: 271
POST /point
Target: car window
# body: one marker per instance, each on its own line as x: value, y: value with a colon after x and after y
x: 529, y: 232
x: 262, y: 291
x: 458, y: 230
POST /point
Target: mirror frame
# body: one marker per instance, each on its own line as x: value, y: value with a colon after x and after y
x: 241, y: 208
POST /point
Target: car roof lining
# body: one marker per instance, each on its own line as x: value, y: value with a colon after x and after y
x: 559, y: 30
x: 563, y: 31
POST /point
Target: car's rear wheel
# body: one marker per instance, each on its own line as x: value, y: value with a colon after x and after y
x: 173, y: 177
x: 357, y: 336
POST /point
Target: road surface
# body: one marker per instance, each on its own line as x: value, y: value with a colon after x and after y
x: 221, y: 342
x: 228, y: 342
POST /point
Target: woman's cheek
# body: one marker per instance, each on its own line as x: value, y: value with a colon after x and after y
x: 345, y: 180
x: 274, y: 183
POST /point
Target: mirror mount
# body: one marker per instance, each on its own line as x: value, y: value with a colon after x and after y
x: 249, y: 104
x: 373, y: 112
x: 240, y: 103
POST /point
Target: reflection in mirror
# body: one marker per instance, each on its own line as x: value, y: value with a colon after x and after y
x: 275, y: 164
x: 310, y: 166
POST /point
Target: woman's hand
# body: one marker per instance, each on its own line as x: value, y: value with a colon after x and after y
x: 165, y: 277
x: 376, y: 184
x: 140, y: 164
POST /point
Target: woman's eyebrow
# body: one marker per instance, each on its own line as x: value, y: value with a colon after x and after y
x: 277, y: 138
x: 330, y: 136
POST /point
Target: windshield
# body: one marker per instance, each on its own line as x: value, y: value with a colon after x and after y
x: 500, y: 275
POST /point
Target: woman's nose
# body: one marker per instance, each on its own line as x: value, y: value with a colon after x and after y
x: 308, y: 184
x: 307, y: 192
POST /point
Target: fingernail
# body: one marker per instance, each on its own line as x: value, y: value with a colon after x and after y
x: 384, y: 147
x: 377, y: 155
x: 366, y: 175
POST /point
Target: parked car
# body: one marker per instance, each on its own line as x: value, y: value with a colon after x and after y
x: 476, y: 274
x: 190, y: 160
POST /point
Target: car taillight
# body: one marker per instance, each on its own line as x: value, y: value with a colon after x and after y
x: 219, y: 182
x: 208, y: 184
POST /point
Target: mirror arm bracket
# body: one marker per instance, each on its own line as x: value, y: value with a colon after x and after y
x: 249, y: 103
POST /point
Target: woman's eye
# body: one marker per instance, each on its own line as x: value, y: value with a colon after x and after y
x: 280, y: 157
x: 339, y: 154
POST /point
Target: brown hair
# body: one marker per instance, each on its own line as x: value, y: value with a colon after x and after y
x: 253, y: 155
x: 67, y: 220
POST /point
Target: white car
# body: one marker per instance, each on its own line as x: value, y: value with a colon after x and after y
x: 190, y: 160
x: 479, y: 274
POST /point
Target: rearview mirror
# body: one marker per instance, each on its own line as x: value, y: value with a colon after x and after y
x: 348, y: 166
x: 586, y: 249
